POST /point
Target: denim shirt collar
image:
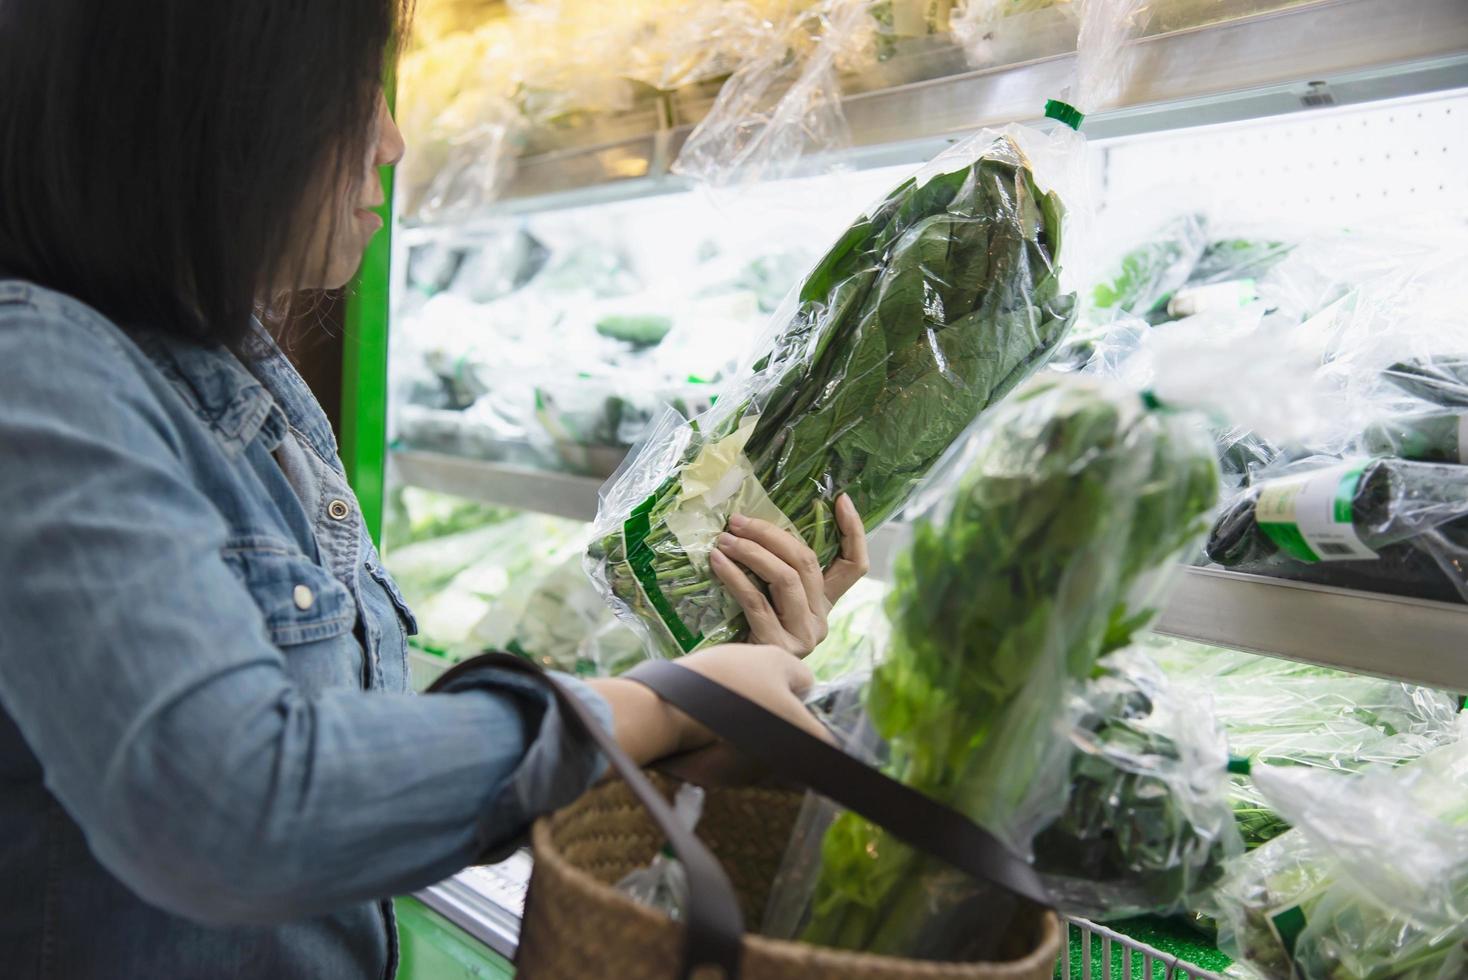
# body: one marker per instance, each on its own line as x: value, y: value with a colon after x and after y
x: 267, y: 398
x: 226, y: 397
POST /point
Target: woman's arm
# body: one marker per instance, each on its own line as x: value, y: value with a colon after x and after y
x: 137, y: 667
x: 649, y: 729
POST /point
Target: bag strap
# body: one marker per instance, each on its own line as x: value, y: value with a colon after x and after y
x: 792, y: 754
x: 713, y: 925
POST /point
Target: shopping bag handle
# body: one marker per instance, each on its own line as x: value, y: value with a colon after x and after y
x: 713, y: 924
x: 792, y: 754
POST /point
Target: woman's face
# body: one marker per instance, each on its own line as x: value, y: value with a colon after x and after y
x: 344, y: 225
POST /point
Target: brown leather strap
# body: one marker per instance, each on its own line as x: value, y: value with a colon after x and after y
x: 792, y: 754
x: 713, y: 925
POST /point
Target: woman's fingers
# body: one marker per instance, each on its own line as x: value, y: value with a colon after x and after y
x: 789, y: 548
x: 787, y: 591
x: 854, y: 563
x: 764, y: 622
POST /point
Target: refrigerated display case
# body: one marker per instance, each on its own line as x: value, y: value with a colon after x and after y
x: 507, y: 352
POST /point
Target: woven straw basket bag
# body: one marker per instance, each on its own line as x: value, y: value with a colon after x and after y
x: 577, y: 926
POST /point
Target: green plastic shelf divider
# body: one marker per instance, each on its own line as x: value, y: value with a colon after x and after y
x: 433, y: 948
x: 364, y: 361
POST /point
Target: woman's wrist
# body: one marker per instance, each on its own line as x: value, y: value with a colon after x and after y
x: 644, y: 725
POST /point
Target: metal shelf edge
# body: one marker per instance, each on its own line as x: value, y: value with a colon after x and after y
x: 482, y: 918
x: 1403, y: 639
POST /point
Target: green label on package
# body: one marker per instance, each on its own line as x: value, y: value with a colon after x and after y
x: 1309, y: 516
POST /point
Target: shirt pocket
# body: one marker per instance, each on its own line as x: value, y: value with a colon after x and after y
x: 300, y: 601
x: 382, y: 578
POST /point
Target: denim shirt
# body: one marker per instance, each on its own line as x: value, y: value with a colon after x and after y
x: 210, y: 764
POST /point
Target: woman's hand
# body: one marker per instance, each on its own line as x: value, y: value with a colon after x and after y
x: 649, y: 729
x: 793, y: 616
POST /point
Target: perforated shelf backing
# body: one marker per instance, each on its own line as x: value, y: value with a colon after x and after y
x: 1330, y: 164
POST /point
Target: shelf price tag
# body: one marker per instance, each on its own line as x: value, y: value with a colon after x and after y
x: 1309, y: 516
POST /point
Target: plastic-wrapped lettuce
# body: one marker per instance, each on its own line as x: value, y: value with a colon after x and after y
x: 1051, y: 534
x: 1280, y: 713
x: 1383, y: 524
x: 1147, y: 822
x: 930, y: 308
x: 1371, y: 884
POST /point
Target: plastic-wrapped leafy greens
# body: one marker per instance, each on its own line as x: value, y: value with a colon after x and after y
x: 1281, y: 713
x: 452, y: 582
x: 1147, y: 823
x: 1053, y: 530
x: 1182, y: 270
x: 1442, y: 380
x: 1428, y: 437
x: 1149, y: 274
x: 930, y: 308
x: 1382, y: 524
x: 1372, y: 882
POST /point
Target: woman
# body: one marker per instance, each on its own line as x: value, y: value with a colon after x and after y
x: 210, y: 763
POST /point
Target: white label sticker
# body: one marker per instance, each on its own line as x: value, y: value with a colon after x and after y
x: 1215, y: 297
x: 1310, y: 516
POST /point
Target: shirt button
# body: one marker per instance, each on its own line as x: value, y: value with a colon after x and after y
x: 304, y: 597
x: 338, y: 510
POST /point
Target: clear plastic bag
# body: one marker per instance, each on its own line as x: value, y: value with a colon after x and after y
x: 1382, y: 524
x: 453, y: 581
x: 1052, y: 533
x: 1372, y: 882
x: 933, y: 306
x: 663, y: 884
x: 1281, y: 713
x: 692, y: 41
x: 1147, y: 822
x: 1427, y: 437
x: 1005, y: 32
x: 784, y: 101
x: 1147, y: 276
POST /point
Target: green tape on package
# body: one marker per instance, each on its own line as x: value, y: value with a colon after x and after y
x: 640, y: 557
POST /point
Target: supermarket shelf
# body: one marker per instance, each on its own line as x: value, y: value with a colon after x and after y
x: 503, y: 484
x: 1408, y: 639
x: 1307, y: 56
x: 1404, y: 639
x: 549, y: 492
x: 486, y: 902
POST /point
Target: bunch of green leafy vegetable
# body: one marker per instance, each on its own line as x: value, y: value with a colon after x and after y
x: 1148, y: 275
x: 1428, y: 437
x: 1281, y: 713
x: 1147, y: 823
x: 1073, y: 502
x: 927, y: 310
x: 1180, y: 256
x: 1442, y: 380
x: 1372, y: 884
x: 1392, y: 502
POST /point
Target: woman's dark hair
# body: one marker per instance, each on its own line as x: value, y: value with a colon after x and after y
x: 155, y: 155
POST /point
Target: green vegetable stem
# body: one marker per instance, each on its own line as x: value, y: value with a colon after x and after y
x: 925, y: 312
